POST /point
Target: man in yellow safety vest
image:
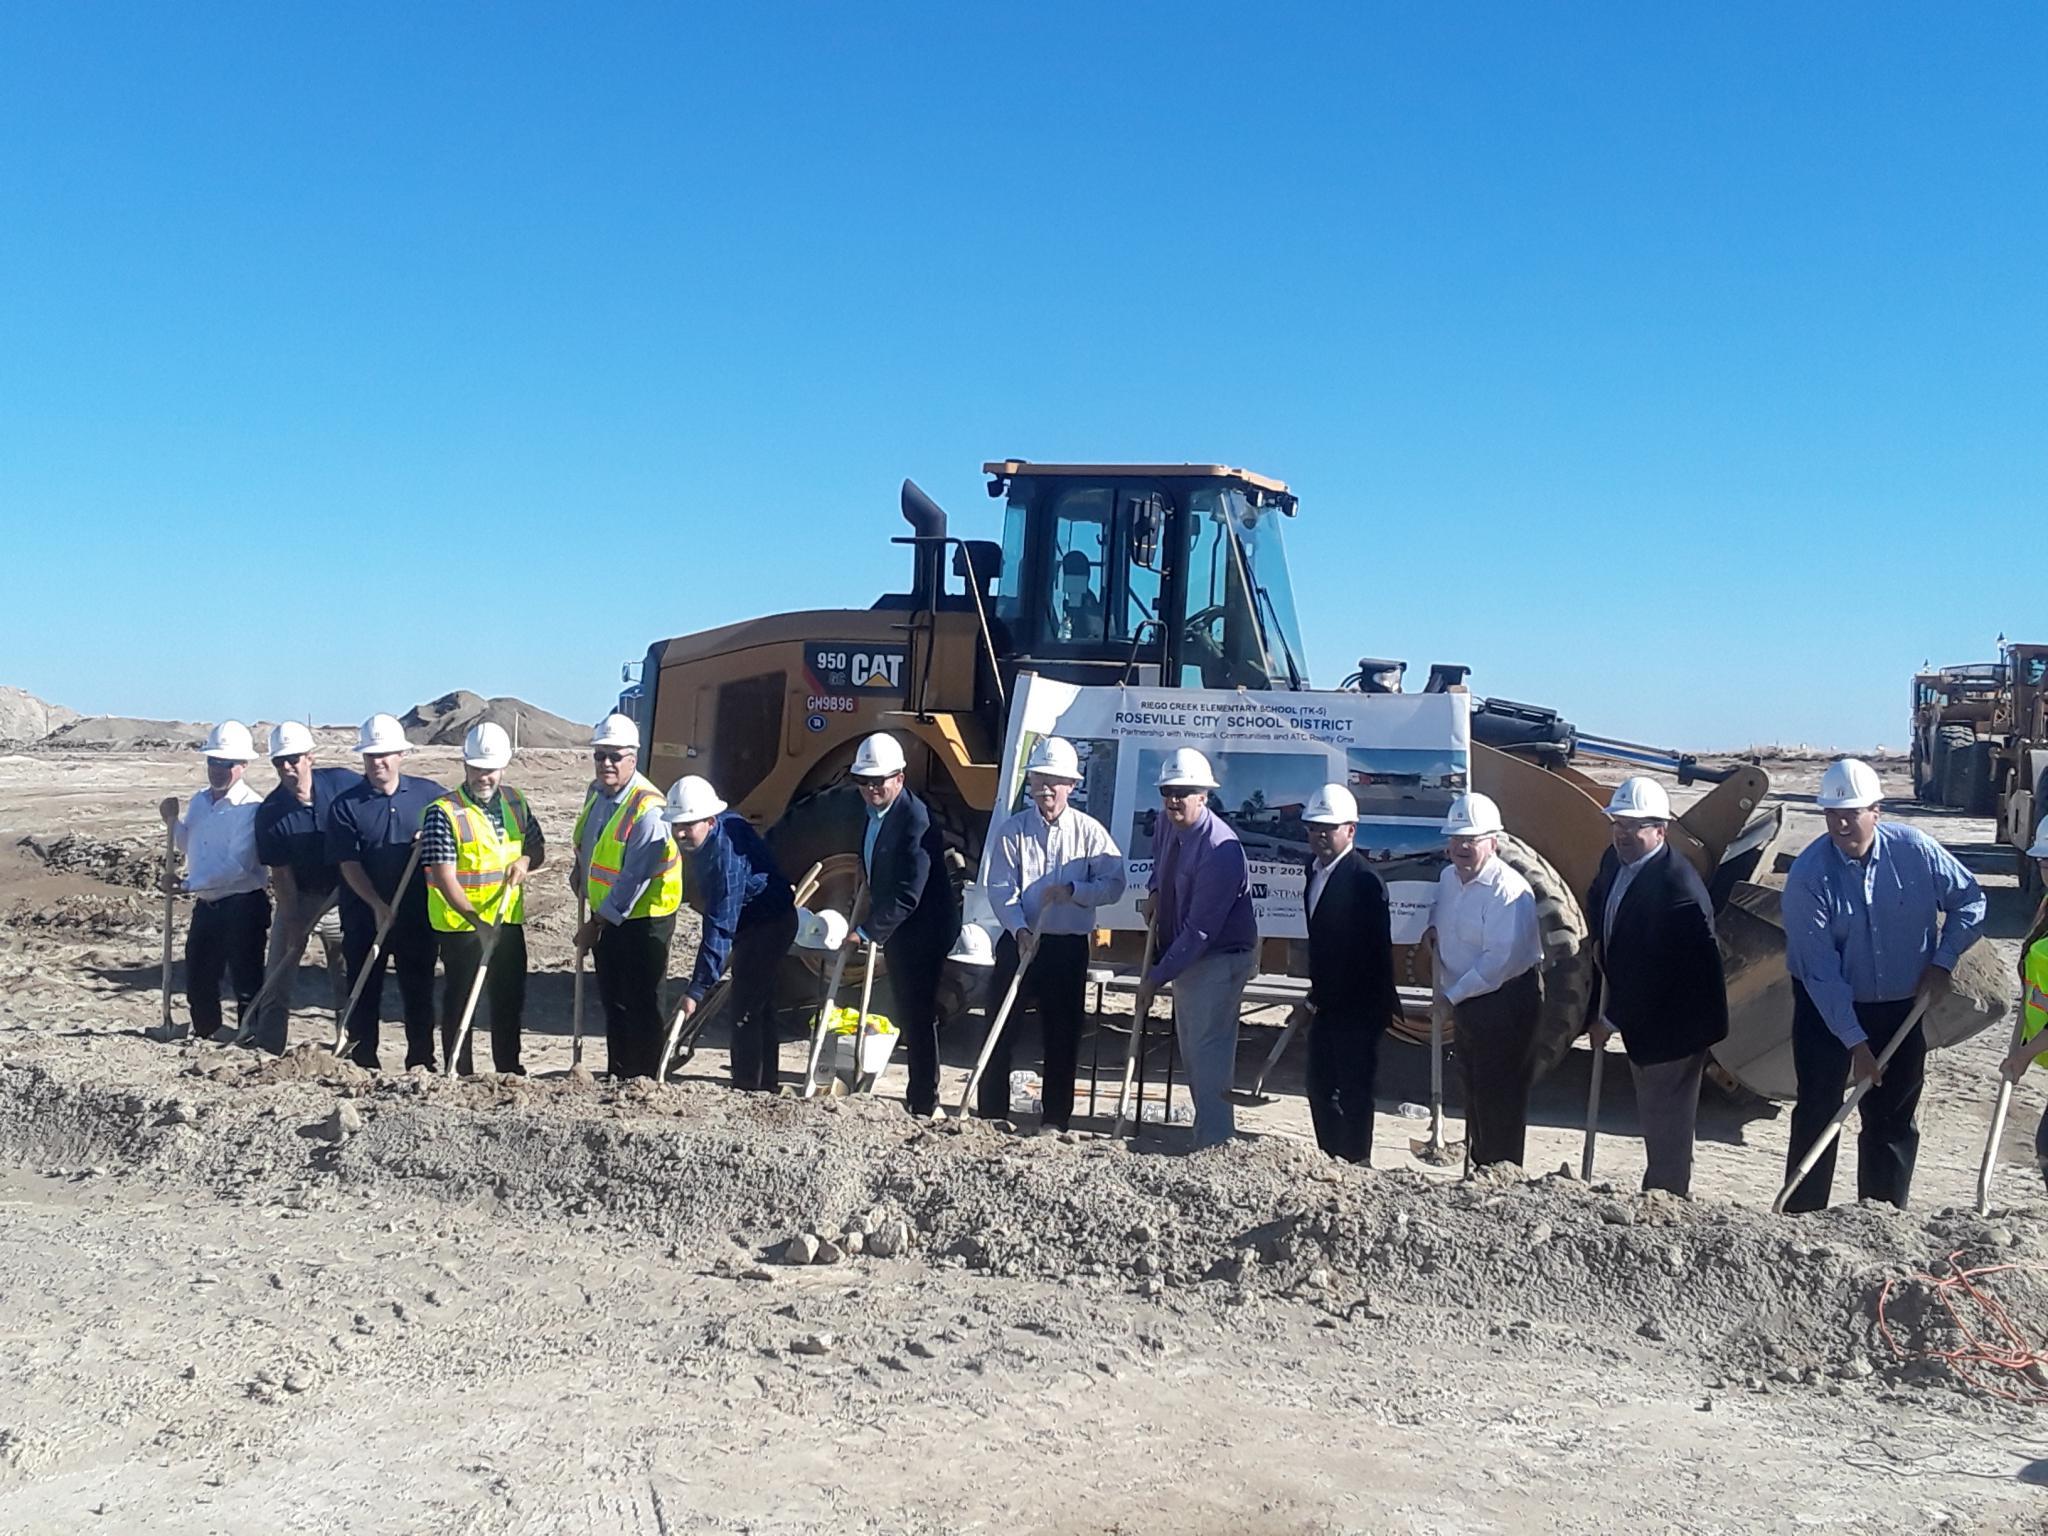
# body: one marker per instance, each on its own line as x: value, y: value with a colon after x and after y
x: 2034, y: 1000
x: 476, y: 847
x: 628, y: 867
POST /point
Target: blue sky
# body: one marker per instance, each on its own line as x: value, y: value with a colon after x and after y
x: 1685, y: 372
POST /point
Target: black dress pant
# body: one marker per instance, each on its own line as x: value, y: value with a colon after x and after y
x: 409, y: 949
x: 1056, y: 983
x: 1888, y: 1133
x: 504, y: 994
x: 226, y: 938
x: 758, y: 950
x: 631, y: 960
x: 1496, y: 1051
x: 1343, y: 1062
x: 914, y: 967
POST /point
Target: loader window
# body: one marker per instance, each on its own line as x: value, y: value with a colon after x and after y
x: 1077, y: 567
x: 748, y: 734
x: 1220, y: 638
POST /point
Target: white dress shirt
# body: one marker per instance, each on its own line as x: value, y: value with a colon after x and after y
x: 218, y: 839
x: 1032, y: 855
x: 1623, y: 879
x: 1486, y: 932
x: 1317, y: 879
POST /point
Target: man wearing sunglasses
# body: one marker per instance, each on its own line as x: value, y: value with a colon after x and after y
x: 291, y: 838
x: 1208, y: 937
x: 627, y: 865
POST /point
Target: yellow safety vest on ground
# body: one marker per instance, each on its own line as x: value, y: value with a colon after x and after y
x: 2036, y: 1004
x: 485, y: 849
x: 664, y: 892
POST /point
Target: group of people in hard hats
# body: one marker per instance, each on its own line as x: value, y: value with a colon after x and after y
x: 397, y: 873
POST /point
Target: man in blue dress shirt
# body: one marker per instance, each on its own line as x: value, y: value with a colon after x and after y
x: 1876, y: 916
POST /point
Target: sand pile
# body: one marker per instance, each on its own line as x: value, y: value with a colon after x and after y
x: 125, y: 733
x: 718, y: 1174
x: 24, y: 718
x: 444, y: 721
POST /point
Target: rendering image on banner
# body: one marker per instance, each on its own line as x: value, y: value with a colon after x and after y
x: 1262, y: 798
x: 1403, y: 781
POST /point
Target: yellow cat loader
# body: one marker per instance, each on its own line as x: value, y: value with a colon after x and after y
x: 1168, y: 575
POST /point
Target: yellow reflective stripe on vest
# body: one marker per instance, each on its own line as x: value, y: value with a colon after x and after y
x: 2034, y: 1006
x: 485, y: 851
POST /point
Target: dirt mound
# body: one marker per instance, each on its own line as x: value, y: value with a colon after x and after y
x: 125, y: 733
x: 24, y: 718
x: 124, y: 864
x: 446, y: 720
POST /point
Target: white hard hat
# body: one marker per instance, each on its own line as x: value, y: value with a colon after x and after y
x: 486, y: 746
x: 1185, y: 768
x: 691, y: 798
x: 878, y: 757
x: 1055, y: 758
x: 229, y: 741
x: 381, y: 734
x: 616, y: 730
x: 1473, y: 815
x: 973, y: 947
x: 1849, y: 785
x: 289, y: 739
x: 824, y: 930
x: 1639, y: 799
x: 1331, y: 806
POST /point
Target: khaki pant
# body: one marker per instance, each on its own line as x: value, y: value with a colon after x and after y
x: 297, y: 921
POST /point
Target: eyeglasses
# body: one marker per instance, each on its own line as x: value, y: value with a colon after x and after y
x: 1169, y: 792
x: 292, y: 761
x: 605, y: 755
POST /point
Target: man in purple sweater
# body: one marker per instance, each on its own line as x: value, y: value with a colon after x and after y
x: 1208, y: 937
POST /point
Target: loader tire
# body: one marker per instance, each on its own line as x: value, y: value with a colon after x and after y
x: 1567, y: 958
x: 1952, y: 744
x: 1980, y: 779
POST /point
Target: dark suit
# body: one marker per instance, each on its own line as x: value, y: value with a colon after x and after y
x: 1351, y: 990
x: 1658, y: 980
x: 914, y: 914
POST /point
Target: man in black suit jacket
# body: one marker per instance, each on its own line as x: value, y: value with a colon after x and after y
x: 1659, y: 976
x: 913, y: 910
x: 1350, y: 977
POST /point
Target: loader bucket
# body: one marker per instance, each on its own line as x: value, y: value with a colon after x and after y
x: 1758, y: 1050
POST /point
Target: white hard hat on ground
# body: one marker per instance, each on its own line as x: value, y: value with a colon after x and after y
x: 289, y: 739
x: 488, y: 745
x: 691, y: 798
x: 230, y: 742
x: 1639, y: 799
x: 878, y: 757
x: 1055, y: 758
x: 1473, y: 815
x: 1850, y: 784
x: 2040, y: 848
x: 1185, y: 768
x: 1331, y: 806
x: 381, y: 734
x: 616, y: 730
x: 824, y: 930
x: 974, y: 946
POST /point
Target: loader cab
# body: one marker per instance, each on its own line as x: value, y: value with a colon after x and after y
x: 1172, y: 575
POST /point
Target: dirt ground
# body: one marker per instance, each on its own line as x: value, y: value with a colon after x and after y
x: 256, y: 1295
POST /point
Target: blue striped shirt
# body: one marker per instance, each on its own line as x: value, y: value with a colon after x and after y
x: 739, y: 883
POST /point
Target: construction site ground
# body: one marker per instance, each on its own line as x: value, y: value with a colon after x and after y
x: 248, y: 1294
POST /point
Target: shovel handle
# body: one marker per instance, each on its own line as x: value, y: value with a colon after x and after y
x: 1998, y: 1112
x: 995, y: 1028
x: 1592, y: 1114
x: 818, y: 1026
x: 1123, y: 1097
x: 1827, y: 1137
x: 170, y: 912
x: 355, y: 993
x: 576, y: 992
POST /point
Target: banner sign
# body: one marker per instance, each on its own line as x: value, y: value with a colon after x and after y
x: 1402, y: 755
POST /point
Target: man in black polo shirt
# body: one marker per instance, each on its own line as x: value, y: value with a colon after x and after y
x: 370, y: 832
x: 291, y: 838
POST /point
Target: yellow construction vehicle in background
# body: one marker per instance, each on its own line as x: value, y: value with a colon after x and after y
x: 1154, y: 574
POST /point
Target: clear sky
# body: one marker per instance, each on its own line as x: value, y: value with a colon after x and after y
x: 1684, y: 371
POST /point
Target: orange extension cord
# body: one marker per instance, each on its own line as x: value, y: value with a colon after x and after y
x: 2001, y: 1347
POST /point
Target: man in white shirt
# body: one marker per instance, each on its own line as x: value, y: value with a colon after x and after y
x: 1489, y: 956
x: 1052, y: 866
x: 231, y: 908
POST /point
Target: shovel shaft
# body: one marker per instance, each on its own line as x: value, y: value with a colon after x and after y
x: 995, y: 1028
x: 376, y: 948
x: 1123, y: 1097
x: 1827, y: 1137
x: 170, y: 913
x: 1273, y: 1056
x: 1592, y: 1115
x: 576, y: 992
x: 483, y: 969
x: 860, y: 1038
x: 1998, y: 1112
x: 822, y: 1023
